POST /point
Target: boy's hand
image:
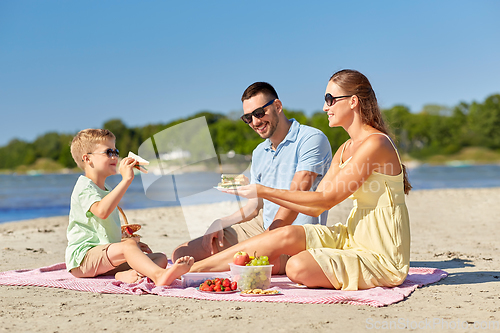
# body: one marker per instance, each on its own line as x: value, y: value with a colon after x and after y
x: 126, y: 168
x: 144, y: 247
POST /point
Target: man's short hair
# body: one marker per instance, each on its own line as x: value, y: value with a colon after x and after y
x: 259, y: 88
x: 86, y: 141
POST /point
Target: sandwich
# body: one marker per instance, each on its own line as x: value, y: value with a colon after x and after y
x: 128, y: 230
x: 232, y: 180
x: 140, y: 162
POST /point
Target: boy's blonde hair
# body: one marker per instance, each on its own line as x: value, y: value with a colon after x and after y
x: 86, y: 141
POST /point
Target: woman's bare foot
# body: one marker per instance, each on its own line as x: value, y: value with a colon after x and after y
x: 129, y: 276
x: 180, y: 267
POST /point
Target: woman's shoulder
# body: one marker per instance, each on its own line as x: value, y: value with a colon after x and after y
x: 378, y: 140
x: 377, y: 145
x: 380, y: 148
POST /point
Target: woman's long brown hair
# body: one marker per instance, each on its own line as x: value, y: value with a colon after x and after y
x: 355, y: 83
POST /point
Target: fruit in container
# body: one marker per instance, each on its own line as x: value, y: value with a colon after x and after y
x: 241, y: 258
x: 251, y: 277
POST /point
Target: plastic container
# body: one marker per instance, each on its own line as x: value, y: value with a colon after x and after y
x: 251, y: 277
x: 195, y: 279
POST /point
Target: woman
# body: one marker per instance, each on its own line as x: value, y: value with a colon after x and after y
x: 373, y: 248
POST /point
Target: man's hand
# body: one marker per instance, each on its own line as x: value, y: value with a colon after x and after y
x: 215, y: 231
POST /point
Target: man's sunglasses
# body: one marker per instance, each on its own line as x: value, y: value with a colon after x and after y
x: 257, y: 113
x: 110, y: 152
x: 330, y: 100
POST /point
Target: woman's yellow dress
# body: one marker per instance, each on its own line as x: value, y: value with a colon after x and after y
x: 373, y: 248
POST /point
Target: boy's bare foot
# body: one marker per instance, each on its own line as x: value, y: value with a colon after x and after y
x: 129, y: 276
x: 180, y: 267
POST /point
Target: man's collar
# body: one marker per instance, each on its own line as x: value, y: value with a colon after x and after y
x: 291, y: 136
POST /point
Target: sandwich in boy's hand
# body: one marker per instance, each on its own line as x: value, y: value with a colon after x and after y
x: 140, y: 162
x: 128, y: 230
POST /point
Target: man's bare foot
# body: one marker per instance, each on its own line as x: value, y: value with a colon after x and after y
x: 180, y: 267
x: 129, y: 276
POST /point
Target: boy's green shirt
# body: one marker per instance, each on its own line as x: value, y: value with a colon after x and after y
x: 85, y: 230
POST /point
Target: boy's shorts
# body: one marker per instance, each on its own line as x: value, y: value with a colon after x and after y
x: 95, y: 262
x: 240, y: 232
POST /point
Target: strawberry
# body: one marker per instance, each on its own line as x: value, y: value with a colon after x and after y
x: 234, y: 285
x: 226, y: 283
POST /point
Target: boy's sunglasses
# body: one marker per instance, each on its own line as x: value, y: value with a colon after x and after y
x: 110, y: 152
x: 257, y: 113
x: 330, y: 100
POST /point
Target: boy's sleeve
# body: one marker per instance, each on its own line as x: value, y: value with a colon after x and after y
x: 315, y: 154
x: 88, y: 197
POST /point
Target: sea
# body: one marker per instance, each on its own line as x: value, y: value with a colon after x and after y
x: 25, y: 197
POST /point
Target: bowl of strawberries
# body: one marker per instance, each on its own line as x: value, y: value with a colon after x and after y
x: 219, y: 285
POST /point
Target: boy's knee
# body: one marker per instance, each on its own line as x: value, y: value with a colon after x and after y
x: 129, y: 242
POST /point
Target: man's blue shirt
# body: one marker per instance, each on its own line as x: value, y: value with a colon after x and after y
x: 303, y: 149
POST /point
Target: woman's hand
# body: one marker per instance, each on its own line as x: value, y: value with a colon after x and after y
x: 248, y: 191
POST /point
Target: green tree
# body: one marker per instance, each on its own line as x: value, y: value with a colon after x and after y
x: 16, y: 153
x: 48, y: 145
x: 399, y: 120
x: 484, y: 122
x: 297, y: 115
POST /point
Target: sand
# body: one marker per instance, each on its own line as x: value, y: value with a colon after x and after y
x: 454, y: 230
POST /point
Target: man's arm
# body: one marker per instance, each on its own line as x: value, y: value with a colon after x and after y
x: 245, y: 213
x: 216, y: 230
x: 302, y: 181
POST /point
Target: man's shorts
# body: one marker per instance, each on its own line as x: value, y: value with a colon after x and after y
x: 240, y: 232
x: 95, y: 262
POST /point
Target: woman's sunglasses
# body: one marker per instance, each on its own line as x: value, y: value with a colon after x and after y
x: 257, y: 113
x: 330, y: 100
x: 110, y: 152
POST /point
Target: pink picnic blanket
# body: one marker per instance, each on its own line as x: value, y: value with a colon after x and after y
x: 56, y: 276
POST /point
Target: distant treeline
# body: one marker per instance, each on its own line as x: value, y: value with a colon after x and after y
x: 434, y: 130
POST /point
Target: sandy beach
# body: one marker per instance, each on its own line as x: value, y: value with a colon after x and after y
x: 454, y: 230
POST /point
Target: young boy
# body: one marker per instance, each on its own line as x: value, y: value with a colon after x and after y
x: 94, y: 232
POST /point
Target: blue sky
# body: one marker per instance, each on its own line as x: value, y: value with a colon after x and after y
x: 70, y: 65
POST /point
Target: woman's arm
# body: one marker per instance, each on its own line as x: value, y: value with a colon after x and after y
x: 337, y: 185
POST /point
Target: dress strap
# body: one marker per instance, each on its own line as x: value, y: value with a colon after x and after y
x: 342, y: 153
x: 392, y: 143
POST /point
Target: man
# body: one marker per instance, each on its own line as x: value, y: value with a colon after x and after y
x: 293, y: 156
